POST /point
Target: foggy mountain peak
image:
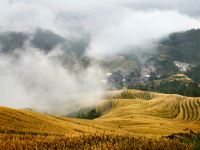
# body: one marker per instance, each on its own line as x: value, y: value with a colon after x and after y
x: 9, y: 41
x: 41, y: 38
x: 46, y: 39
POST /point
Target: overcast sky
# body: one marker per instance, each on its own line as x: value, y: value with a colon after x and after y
x: 112, y: 25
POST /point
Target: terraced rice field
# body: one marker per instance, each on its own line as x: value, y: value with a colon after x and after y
x: 164, y: 105
x: 126, y: 112
x: 150, y: 114
x: 129, y: 94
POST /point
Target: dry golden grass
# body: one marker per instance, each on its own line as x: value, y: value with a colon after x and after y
x: 150, y: 114
x: 94, y: 141
x: 128, y: 113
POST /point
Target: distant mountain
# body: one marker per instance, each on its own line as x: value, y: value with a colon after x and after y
x: 10, y: 41
x: 181, y: 46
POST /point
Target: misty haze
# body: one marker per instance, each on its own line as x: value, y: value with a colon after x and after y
x: 103, y: 68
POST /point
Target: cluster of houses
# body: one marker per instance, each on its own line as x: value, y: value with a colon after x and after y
x: 130, y: 78
x: 184, y: 67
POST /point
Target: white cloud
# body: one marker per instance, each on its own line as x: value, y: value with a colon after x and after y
x: 113, y: 26
x: 31, y: 78
x: 138, y: 29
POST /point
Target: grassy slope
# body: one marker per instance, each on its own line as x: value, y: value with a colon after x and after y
x: 133, y: 112
x: 163, y: 114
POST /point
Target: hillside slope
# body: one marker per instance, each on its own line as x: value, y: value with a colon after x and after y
x: 176, y: 84
x: 130, y: 111
x: 182, y: 46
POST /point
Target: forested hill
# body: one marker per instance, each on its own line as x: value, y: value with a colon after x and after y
x: 182, y: 46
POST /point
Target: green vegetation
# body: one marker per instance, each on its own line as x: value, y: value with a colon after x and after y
x: 182, y: 46
x: 176, y: 84
x: 89, y: 113
x: 187, y: 138
x: 194, y: 74
x: 164, y: 67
